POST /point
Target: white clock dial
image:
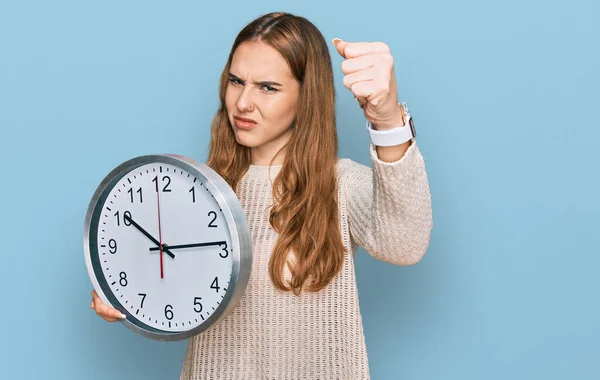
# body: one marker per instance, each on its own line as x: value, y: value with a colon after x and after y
x: 166, y: 293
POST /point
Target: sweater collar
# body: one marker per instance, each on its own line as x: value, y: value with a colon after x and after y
x: 263, y: 171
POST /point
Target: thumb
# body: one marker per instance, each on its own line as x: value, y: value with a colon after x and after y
x: 340, y: 46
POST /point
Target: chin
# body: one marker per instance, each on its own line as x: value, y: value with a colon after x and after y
x: 246, y: 140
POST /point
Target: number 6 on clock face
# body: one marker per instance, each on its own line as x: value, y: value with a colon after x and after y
x: 167, y: 243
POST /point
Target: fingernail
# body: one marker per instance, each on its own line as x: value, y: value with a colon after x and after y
x: 335, y: 40
x: 123, y: 316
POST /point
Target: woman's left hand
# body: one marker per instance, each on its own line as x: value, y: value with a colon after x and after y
x: 369, y: 74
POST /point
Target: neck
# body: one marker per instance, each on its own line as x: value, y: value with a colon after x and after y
x: 271, y: 153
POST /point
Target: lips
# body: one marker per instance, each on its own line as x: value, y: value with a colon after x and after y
x: 243, y: 123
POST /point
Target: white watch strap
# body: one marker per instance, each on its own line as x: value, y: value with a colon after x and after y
x: 391, y: 137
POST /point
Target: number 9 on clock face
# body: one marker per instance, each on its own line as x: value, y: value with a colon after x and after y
x: 167, y: 243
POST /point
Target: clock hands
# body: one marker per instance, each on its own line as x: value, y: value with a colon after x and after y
x: 190, y: 245
x: 165, y: 249
x: 159, y: 229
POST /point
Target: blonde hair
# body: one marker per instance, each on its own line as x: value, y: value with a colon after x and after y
x: 305, y: 210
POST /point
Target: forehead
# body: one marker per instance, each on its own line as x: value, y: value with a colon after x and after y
x: 259, y: 61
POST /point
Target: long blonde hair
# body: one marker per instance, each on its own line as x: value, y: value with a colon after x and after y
x: 305, y: 211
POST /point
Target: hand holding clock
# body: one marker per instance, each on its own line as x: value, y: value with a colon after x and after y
x: 106, y: 312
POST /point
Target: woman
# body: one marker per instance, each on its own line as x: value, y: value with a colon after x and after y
x: 274, y: 140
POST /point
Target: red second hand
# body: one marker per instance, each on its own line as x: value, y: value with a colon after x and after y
x: 159, y: 230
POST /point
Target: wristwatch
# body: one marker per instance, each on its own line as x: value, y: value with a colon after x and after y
x: 394, y: 136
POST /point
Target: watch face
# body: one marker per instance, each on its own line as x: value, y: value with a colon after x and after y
x: 161, y: 248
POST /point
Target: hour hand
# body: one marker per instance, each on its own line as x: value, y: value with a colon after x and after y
x: 208, y: 244
x: 164, y: 246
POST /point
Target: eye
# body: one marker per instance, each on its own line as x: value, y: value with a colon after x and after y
x: 235, y: 80
x: 269, y: 88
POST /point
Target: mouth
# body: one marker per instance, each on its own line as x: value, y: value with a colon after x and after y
x: 243, y: 123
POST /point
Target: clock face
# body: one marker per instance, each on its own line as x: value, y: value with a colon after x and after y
x: 181, y: 287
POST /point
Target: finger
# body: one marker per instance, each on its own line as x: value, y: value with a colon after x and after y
x: 106, y: 311
x: 360, y: 76
x: 101, y: 309
x: 339, y: 46
x: 366, y: 92
x: 109, y: 319
x: 363, y: 62
x: 117, y: 314
x: 357, y: 49
x: 109, y: 313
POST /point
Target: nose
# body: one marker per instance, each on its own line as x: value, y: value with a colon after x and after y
x: 245, y: 102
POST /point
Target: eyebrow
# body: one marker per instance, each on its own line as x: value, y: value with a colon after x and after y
x: 263, y: 83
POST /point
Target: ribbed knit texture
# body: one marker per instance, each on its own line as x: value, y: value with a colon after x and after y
x: 275, y: 335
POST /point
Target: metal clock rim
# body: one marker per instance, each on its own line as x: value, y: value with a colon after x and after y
x: 238, y: 229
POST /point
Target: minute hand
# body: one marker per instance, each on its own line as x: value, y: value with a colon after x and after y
x: 191, y: 245
x: 165, y: 249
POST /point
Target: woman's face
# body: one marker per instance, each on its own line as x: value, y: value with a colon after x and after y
x: 261, y: 100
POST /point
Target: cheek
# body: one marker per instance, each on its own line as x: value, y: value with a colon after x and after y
x: 229, y: 98
x: 280, y: 109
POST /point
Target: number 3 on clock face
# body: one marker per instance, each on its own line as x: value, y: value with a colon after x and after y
x: 167, y: 243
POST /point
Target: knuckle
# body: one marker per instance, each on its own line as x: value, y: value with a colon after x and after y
x: 359, y: 91
x: 390, y: 59
x: 386, y: 59
x: 346, y: 81
x: 348, y: 50
x: 344, y: 66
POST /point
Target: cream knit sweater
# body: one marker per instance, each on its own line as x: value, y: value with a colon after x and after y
x: 279, y: 336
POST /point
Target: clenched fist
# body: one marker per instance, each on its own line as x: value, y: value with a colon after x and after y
x: 369, y: 74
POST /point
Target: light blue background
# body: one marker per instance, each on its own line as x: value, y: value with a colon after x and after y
x: 505, y: 98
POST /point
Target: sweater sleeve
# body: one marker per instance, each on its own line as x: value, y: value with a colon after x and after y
x: 389, y: 207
